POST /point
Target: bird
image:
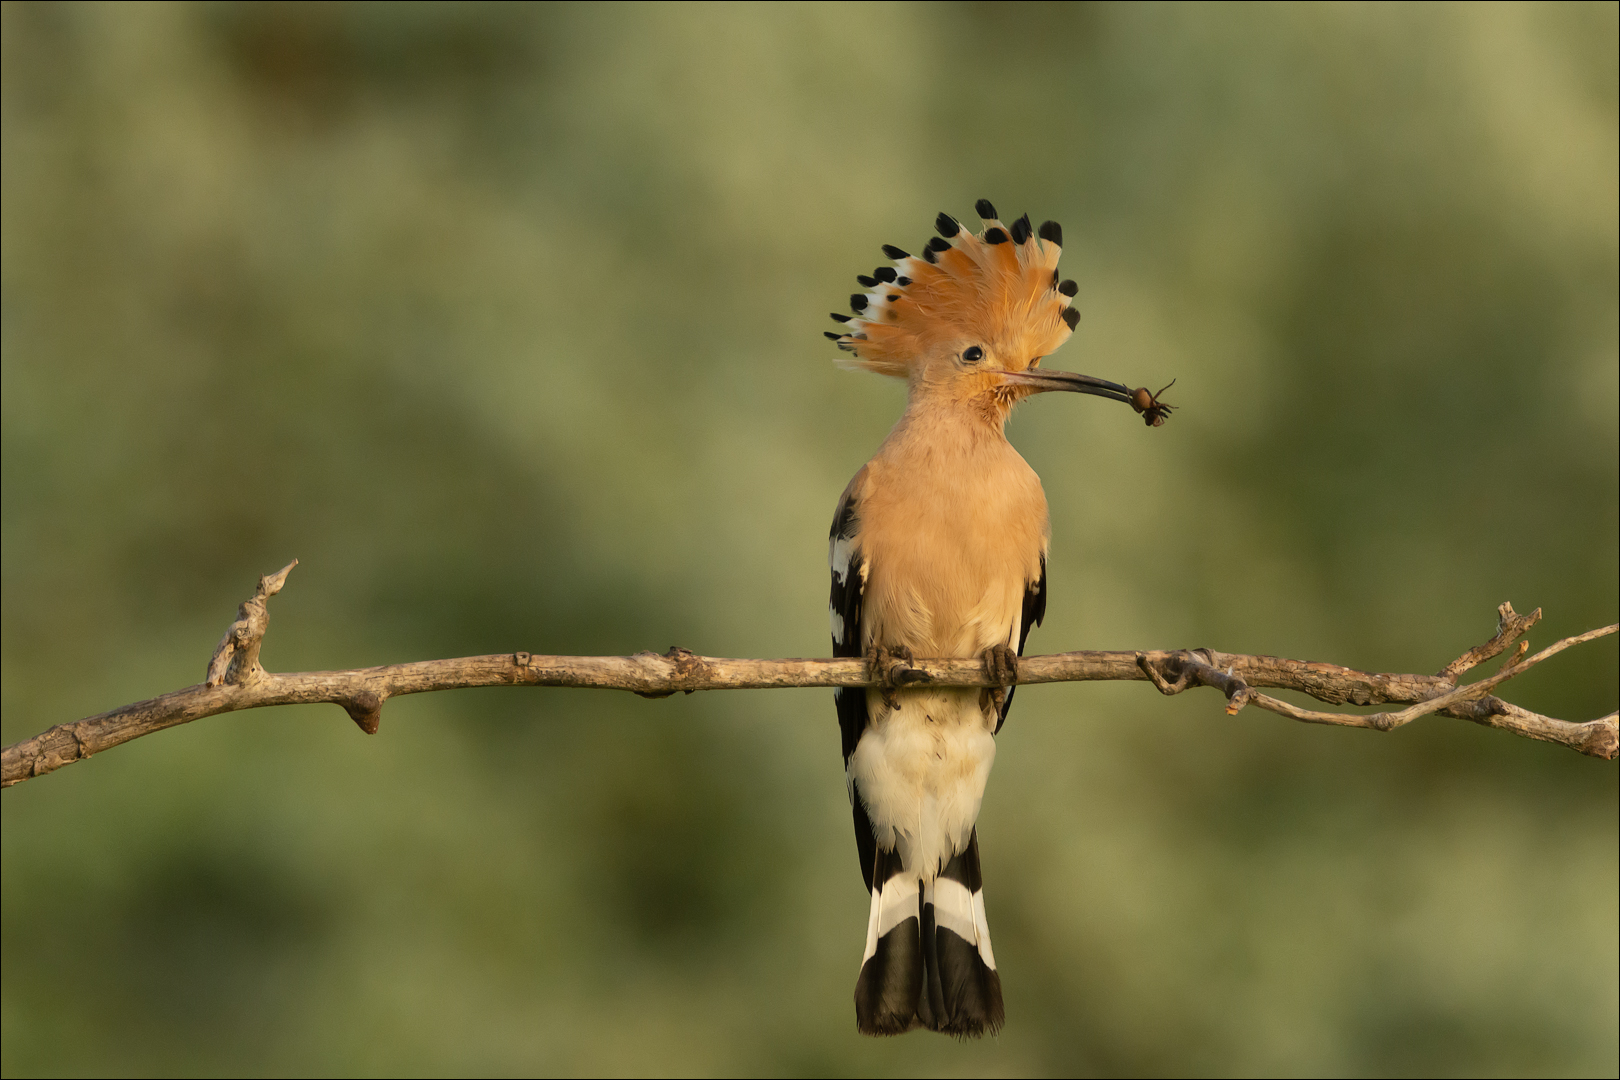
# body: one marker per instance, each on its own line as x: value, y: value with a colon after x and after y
x: 938, y: 548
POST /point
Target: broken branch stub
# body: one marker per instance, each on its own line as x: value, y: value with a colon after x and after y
x: 236, y: 658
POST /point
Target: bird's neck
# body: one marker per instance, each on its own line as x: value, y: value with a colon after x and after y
x: 939, y: 425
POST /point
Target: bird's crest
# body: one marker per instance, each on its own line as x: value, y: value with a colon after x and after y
x: 998, y: 288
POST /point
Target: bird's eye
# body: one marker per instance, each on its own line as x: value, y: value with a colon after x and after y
x: 973, y: 355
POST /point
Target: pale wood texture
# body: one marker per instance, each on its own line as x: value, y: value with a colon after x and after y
x: 236, y: 681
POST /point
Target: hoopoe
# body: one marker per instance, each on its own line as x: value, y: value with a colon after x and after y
x: 938, y: 549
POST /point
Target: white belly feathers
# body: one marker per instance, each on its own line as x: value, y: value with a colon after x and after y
x: 921, y: 770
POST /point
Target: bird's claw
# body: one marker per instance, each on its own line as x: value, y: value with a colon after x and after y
x: 892, y: 667
x: 1001, y: 664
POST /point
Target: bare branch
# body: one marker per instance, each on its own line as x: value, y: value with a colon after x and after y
x: 237, y: 681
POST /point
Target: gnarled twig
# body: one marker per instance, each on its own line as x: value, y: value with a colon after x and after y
x: 237, y: 681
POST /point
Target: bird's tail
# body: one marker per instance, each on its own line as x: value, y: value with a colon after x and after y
x: 928, y: 960
x: 891, y: 978
x: 961, y: 990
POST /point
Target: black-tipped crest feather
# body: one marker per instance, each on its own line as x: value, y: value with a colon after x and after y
x: 962, y: 293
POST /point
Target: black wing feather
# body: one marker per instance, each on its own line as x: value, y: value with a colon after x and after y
x: 1034, y: 613
x: 1034, y: 606
x: 847, y: 593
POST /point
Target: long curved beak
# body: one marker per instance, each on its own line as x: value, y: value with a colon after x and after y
x: 1040, y: 381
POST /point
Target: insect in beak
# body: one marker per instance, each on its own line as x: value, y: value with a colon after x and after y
x: 1154, y: 412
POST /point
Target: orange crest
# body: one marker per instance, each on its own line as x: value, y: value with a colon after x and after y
x: 998, y: 289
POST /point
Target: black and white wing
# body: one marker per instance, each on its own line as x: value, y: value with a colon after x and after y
x: 848, y: 566
x: 1034, y: 612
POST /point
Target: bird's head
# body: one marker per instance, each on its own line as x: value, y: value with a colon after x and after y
x: 970, y: 319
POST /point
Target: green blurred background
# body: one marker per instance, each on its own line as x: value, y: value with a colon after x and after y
x: 506, y: 321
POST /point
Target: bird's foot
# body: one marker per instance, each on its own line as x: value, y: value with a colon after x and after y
x: 892, y: 667
x: 1001, y: 664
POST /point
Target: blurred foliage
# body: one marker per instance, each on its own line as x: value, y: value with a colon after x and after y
x: 505, y: 320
